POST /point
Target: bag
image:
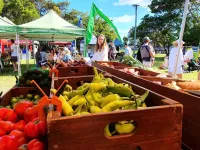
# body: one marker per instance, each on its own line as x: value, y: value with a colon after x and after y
x: 139, y: 57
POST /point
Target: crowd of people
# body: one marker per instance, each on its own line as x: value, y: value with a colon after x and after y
x: 44, y: 55
x: 107, y: 52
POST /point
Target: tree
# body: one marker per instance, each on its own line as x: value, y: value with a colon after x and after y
x: 20, y: 11
x: 1, y: 5
x: 125, y: 39
x: 101, y: 27
x: 59, y: 7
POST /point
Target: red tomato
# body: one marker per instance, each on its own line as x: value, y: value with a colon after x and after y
x: 35, y: 129
x: 35, y: 144
x: 21, y: 107
x: 20, y: 125
x: 30, y: 114
x: 20, y: 137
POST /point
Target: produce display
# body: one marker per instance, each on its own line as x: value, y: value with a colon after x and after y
x: 129, y: 60
x: 74, y: 63
x: 131, y: 71
x: 187, y: 85
x: 20, y: 127
x: 40, y: 76
x: 100, y: 96
x: 29, y: 97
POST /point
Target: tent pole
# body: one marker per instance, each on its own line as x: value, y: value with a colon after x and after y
x: 33, y: 51
x: 18, y: 54
x: 75, y: 44
x: 181, y: 34
x: 85, y: 54
x: 27, y: 54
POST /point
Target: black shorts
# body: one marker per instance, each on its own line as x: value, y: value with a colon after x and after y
x: 13, y: 59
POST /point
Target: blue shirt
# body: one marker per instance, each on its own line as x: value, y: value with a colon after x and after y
x: 67, y: 57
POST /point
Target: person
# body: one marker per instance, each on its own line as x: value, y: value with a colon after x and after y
x: 65, y: 47
x: 38, y: 57
x: 172, y: 60
x: 101, y: 50
x: 14, y: 55
x: 147, y: 53
x: 128, y: 50
x: 112, y: 51
x: 67, y: 57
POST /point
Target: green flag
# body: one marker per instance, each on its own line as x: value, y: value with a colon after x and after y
x: 90, y: 26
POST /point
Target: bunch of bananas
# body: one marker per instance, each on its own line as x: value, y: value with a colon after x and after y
x: 101, y: 95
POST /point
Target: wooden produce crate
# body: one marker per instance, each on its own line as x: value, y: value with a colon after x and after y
x: 120, y: 66
x: 75, y: 71
x: 113, y: 63
x: 159, y: 126
x: 191, y: 103
x: 17, y: 91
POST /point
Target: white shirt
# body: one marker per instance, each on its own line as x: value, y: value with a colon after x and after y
x: 100, y: 56
x: 172, y: 58
x: 14, y: 50
x: 65, y: 49
x: 128, y: 51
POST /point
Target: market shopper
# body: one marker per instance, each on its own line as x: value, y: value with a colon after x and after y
x: 67, y: 57
x: 172, y: 60
x: 101, y: 50
x: 112, y: 50
x: 14, y: 55
x: 128, y: 50
x: 147, y: 53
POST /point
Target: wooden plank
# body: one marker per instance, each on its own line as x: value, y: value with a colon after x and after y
x: 153, y: 123
x: 191, y: 134
x: 163, y: 144
x: 75, y: 71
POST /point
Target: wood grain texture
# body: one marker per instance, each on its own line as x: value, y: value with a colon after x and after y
x: 85, y: 131
x: 191, y: 103
x: 75, y: 71
x: 162, y: 120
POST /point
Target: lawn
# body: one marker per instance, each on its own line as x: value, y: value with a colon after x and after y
x: 159, y: 61
x: 7, y: 78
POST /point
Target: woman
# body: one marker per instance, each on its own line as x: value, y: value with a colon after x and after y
x: 14, y: 55
x: 101, y: 49
x: 172, y: 60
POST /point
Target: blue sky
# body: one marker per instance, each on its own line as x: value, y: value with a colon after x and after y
x: 120, y: 11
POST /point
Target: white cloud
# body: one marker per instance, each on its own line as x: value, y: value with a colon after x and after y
x: 123, y: 19
x: 143, y: 3
x: 123, y: 32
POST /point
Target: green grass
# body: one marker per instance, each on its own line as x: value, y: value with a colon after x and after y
x: 7, y: 78
x: 159, y: 61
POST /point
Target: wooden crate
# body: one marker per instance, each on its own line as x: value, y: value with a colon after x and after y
x: 121, y: 66
x: 191, y: 103
x: 17, y: 91
x: 75, y: 71
x: 159, y: 125
x: 113, y: 63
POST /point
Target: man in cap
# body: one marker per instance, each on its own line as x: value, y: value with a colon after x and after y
x: 147, y: 53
